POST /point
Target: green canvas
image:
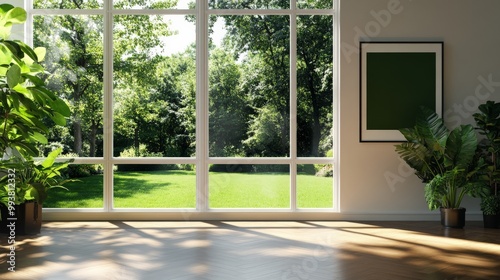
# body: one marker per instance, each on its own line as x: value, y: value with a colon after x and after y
x: 397, y: 84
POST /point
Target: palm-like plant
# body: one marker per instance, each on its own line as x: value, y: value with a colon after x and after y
x: 445, y: 161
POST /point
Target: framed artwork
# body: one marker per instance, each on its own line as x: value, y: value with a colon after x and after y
x: 396, y: 79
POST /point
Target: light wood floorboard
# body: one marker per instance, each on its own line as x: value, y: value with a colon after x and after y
x: 130, y: 250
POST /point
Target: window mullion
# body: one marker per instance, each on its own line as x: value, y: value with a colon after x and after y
x: 108, y: 106
x: 202, y: 105
x: 293, y: 106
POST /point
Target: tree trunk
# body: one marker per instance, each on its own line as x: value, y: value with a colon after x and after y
x: 93, y: 135
x: 136, y: 140
x: 77, y: 134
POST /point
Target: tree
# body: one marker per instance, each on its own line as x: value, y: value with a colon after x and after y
x: 315, y: 83
x: 264, y: 41
x: 263, y: 44
x: 229, y: 110
x: 75, y: 54
x: 160, y: 115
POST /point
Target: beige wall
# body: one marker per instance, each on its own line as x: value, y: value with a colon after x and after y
x: 471, y: 34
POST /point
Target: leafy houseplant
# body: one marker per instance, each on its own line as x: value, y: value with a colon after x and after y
x: 488, y: 125
x: 25, y: 101
x: 32, y: 180
x: 446, y: 162
x: 36, y: 178
x: 27, y: 106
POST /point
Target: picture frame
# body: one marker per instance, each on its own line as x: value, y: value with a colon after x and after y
x: 396, y: 79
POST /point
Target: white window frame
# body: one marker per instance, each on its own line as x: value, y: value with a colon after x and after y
x: 202, y: 159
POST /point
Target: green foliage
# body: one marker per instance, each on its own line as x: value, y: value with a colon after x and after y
x: 34, y: 180
x: 266, y: 133
x: 25, y: 100
x: 488, y: 125
x: 228, y: 108
x: 231, y: 168
x: 446, y: 161
x: 143, y: 152
x: 490, y: 205
x: 155, y: 95
x: 74, y: 60
x: 309, y: 169
x: 62, y: 4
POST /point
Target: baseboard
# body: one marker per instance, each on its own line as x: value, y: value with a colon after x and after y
x: 244, y: 216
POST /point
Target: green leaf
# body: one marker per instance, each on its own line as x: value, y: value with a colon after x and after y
x: 24, y: 116
x: 419, y: 158
x: 35, y: 80
x: 61, y: 107
x: 28, y: 148
x: 27, y: 50
x: 461, y: 147
x: 431, y: 127
x: 40, y: 53
x: 14, y: 49
x: 4, y: 8
x: 21, y: 89
x: 5, y: 55
x: 39, y: 138
x: 15, y: 15
x: 47, y: 94
x: 49, y: 161
x: 59, y: 119
x: 14, y: 76
x: 36, y: 68
x: 5, y: 30
x: 15, y: 99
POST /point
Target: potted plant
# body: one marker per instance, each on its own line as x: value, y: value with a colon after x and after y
x: 26, y: 106
x: 490, y: 205
x: 446, y: 162
x: 23, y: 194
x: 488, y: 125
x: 29, y: 187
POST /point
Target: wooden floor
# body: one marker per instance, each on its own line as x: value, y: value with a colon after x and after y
x: 254, y: 250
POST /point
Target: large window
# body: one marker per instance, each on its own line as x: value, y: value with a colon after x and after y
x: 217, y: 105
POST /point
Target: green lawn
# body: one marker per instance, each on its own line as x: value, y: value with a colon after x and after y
x: 177, y: 189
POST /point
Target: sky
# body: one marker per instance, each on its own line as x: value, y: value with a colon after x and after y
x: 187, y: 34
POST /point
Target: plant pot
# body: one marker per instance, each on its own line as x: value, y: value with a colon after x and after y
x: 491, y: 221
x: 453, y: 217
x: 26, y: 221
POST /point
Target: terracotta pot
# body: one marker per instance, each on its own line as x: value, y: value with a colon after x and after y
x: 453, y: 217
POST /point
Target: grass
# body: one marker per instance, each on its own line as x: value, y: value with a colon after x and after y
x: 177, y: 189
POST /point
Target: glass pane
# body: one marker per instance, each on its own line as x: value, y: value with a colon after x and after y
x: 154, y: 186
x: 314, y: 86
x: 154, y: 4
x: 249, y: 186
x: 249, y: 87
x: 74, y: 60
x: 315, y: 186
x: 315, y: 4
x: 86, y: 193
x: 249, y: 4
x: 154, y: 86
x: 65, y: 4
